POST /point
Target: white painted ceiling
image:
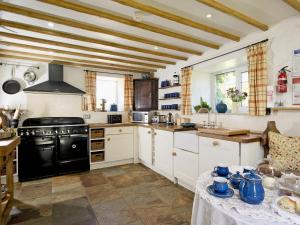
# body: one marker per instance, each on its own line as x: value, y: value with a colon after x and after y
x: 269, y: 12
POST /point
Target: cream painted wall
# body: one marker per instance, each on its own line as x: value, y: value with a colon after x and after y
x: 283, y: 39
x: 49, y: 104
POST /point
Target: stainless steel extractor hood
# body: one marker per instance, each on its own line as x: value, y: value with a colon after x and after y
x: 55, y: 84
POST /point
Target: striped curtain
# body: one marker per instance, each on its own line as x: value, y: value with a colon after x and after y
x: 186, y: 76
x: 258, y: 79
x: 89, y: 99
x: 128, y: 93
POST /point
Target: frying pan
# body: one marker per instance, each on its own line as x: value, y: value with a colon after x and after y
x: 11, y: 86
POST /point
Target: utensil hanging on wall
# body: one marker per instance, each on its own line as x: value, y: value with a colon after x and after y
x: 29, y: 76
x: 11, y: 86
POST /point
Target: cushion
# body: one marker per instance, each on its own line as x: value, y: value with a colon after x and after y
x: 284, y: 152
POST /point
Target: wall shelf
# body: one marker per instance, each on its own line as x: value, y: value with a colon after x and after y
x: 162, y: 99
x: 288, y: 108
x: 170, y: 86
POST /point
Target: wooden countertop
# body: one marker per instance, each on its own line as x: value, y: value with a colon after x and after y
x: 172, y: 128
x: 100, y: 125
x: 245, y: 138
x: 8, y: 145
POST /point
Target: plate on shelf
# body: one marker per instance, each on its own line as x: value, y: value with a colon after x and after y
x: 229, y: 193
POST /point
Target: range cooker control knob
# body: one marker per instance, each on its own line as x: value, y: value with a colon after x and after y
x: 27, y: 133
x: 68, y: 131
x: 85, y: 130
x: 44, y: 132
x: 32, y: 132
x: 56, y: 132
x: 21, y: 133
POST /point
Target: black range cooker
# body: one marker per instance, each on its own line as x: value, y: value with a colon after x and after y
x: 52, y: 146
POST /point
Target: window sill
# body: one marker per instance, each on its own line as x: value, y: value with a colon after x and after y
x: 226, y: 114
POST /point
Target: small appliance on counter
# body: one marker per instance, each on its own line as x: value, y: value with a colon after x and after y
x: 115, y: 118
x: 158, y: 119
x: 142, y: 117
x: 170, y: 119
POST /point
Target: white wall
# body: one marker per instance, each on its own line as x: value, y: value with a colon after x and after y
x: 283, y: 39
x: 48, y: 104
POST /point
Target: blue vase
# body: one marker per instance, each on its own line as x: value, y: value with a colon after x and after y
x: 251, y: 188
x: 221, y: 107
x: 113, y: 108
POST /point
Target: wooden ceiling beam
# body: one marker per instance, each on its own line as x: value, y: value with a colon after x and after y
x: 7, y: 56
x: 232, y: 12
x: 53, y: 50
x: 86, y: 26
x: 84, y: 48
x: 128, y: 21
x: 178, y: 19
x: 52, y: 57
x: 76, y: 37
x: 293, y: 3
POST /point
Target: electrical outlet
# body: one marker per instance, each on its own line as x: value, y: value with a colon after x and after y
x: 86, y: 116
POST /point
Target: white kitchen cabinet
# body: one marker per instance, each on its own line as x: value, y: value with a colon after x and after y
x: 186, y: 158
x: 145, y: 145
x: 118, y: 146
x: 186, y: 168
x: 163, y: 149
x: 214, y: 151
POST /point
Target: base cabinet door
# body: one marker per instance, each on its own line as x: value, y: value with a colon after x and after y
x: 186, y: 167
x: 145, y: 145
x: 118, y: 147
x: 213, y: 152
x: 163, y: 145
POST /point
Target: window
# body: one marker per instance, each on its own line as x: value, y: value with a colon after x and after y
x: 237, y: 78
x: 111, y: 89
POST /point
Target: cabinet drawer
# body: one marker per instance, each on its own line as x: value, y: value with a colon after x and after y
x: 187, y: 141
x: 205, y: 142
x: 119, y: 130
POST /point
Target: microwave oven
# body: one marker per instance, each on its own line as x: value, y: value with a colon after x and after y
x: 142, y: 117
x: 115, y: 118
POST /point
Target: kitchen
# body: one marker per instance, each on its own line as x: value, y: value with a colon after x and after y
x: 125, y: 116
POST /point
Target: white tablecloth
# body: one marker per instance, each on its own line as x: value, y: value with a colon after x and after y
x: 209, y: 210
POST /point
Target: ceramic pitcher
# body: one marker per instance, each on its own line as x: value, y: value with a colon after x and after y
x: 251, y: 188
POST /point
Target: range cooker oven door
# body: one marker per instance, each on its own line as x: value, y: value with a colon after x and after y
x: 73, y: 153
x: 36, y: 157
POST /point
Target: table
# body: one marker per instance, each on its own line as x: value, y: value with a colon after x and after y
x: 209, y: 210
x: 7, y: 147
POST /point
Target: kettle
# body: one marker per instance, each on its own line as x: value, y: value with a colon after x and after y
x: 170, y: 118
x: 251, y: 188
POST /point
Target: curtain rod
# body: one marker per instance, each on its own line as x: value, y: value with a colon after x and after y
x: 14, y: 64
x: 108, y: 72
x: 225, y: 54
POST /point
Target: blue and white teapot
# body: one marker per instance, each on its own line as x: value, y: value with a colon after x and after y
x: 251, y: 188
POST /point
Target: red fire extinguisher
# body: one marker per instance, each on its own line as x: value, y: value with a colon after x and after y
x: 282, y: 80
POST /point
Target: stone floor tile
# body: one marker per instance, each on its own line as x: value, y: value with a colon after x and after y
x: 93, y: 179
x: 68, y: 195
x: 102, y: 193
x: 73, y: 211
x: 35, y: 190
x: 115, y: 212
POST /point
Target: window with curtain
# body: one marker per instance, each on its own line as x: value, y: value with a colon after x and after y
x: 111, y: 89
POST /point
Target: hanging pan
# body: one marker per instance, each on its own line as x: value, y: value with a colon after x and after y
x: 11, y: 86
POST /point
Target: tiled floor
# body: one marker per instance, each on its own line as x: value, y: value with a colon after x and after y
x: 130, y: 194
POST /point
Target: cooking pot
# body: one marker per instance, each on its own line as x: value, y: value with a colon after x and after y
x: 29, y: 76
x: 11, y: 86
